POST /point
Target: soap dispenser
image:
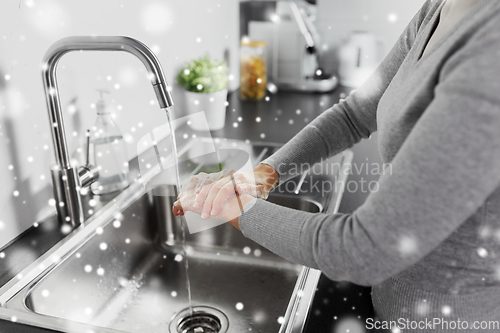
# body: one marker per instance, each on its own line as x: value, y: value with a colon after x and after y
x: 108, y: 151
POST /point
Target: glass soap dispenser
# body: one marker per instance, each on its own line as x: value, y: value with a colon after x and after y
x: 108, y: 151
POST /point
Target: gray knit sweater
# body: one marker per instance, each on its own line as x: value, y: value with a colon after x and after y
x: 428, y: 240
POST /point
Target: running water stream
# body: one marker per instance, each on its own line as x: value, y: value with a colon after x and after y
x: 183, y: 222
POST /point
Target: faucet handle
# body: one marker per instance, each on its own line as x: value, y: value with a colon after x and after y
x: 88, y: 173
x: 87, y: 158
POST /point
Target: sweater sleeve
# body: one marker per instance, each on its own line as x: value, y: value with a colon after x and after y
x: 444, y: 171
x: 352, y: 119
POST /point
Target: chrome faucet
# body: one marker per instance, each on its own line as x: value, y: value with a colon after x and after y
x: 67, y: 179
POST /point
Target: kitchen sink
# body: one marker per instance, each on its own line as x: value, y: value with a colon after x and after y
x: 121, y: 272
x: 127, y: 278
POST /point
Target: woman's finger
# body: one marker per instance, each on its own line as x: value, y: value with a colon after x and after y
x: 177, y: 208
x: 202, y: 194
x: 203, y: 178
x: 214, y: 191
x: 225, y: 192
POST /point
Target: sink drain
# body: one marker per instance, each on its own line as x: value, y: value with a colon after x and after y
x: 204, y: 319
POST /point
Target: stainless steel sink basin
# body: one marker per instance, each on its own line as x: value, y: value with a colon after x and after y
x: 136, y: 283
x: 117, y: 273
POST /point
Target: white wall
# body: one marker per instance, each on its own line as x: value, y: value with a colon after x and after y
x: 177, y: 30
x: 337, y: 19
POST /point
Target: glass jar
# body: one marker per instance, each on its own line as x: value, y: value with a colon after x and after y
x: 253, y: 72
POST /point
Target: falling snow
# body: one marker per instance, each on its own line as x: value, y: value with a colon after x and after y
x: 482, y: 252
x: 100, y: 271
x: 446, y: 310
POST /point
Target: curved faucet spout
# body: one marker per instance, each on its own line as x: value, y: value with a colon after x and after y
x: 66, y: 188
x: 94, y: 43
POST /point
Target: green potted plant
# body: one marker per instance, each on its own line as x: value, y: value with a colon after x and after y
x: 205, y: 80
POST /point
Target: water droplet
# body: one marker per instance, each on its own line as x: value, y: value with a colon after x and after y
x: 281, y: 320
x: 257, y: 253
x: 235, y: 125
x: 88, y: 311
x: 298, y: 112
x: 88, y: 268
x: 291, y: 121
x: 45, y: 293
x: 239, y: 306
x: 174, y: 293
x: 258, y: 119
x: 100, y: 271
x: 13, y: 319
x: 99, y: 230
x: 247, y: 250
x: 127, y: 240
x: 262, y: 135
x: 117, y: 224
x: 103, y: 246
x: 178, y: 258
x: 15, y: 193
x: 2, y: 255
x: 92, y: 203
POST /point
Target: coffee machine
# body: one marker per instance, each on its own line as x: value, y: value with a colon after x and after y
x: 292, y: 46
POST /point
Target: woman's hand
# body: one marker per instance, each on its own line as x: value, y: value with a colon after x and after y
x: 206, y: 194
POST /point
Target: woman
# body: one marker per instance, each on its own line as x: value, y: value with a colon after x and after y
x: 428, y: 240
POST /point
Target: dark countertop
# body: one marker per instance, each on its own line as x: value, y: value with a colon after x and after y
x: 277, y: 119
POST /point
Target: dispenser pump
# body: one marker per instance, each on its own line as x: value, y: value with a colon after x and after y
x: 101, y: 103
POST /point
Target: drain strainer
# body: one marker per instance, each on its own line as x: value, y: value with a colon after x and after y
x: 203, y: 319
